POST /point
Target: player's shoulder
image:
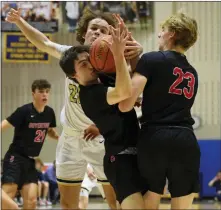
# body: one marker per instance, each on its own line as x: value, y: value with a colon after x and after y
x: 25, y: 107
x: 153, y: 56
x: 49, y: 109
x: 93, y: 89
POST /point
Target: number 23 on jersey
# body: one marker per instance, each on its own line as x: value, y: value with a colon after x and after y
x: 188, y: 91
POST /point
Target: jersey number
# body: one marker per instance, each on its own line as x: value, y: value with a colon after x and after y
x: 74, y: 93
x: 188, y: 92
x: 40, y: 136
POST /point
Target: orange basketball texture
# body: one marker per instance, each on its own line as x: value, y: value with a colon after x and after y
x: 101, y: 57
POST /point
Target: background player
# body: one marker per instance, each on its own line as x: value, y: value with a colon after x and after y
x: 89, y: 182
x: 167, y: 146
x: 120, y: 130
x: 71, y: 162
x: 31, y: 122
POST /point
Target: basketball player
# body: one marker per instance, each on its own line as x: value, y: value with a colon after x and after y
x: 73, y: 153
x: 100, y: 104
x: 31, y: 122
x: 89, y: 182
x: 167, y: 145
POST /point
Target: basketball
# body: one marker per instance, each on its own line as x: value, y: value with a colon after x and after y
x: 101, y: 57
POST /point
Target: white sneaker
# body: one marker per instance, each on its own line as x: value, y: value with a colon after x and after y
x: 41, y: 202
x: 48, y: 203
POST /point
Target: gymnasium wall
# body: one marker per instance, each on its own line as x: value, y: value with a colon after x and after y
x: 204, y: 56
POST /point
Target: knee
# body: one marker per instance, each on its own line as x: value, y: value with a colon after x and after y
x: 67, y: 203
x: 32, y: 203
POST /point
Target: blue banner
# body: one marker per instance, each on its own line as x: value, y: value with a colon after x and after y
x: 18, y: 49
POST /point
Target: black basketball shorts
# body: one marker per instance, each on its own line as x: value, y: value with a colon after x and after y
x: 172, y: 153
x: 123, y: 174
x: 19, y: 170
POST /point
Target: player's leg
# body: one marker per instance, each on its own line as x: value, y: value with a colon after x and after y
x: 134, y: 201
x: 86, y: 187
x: 45, y: 186
x: 10, y: 189
x: 39, y: 193
x: 29, y: 189
x: 153, y: 163
x: 29, y: 193
x: 101, y: 190
x: 184, y: 165
x: 183, y: 202
x: 70, y: 170
x: 11, y: 174
x: 84, y: 198
x: 152, y: 200
x: 7, y: 202
x: 110, y: 194
x: 69, y: 196
x: 94, y: 152
x: 123, y: 174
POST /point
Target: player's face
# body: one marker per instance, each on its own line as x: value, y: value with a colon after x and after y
x: 219, y: 175
x: 96, y: 28
x: 165, y: 39
x: 40, y: 96
x: 84, y: 70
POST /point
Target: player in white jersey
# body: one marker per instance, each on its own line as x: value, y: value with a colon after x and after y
x: 89, y: 182
x: 73, y: 152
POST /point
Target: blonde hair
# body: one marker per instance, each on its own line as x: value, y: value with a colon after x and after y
x: 185, y: 28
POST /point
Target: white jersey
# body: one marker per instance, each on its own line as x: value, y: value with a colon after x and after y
x: 72, y: 114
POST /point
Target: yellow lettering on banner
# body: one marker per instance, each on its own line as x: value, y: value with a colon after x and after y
x: 9, y: 50
x: 39, y: 56
x: 22, y: 50
x: 30, y: 51
x: 29, y: 56
x: 22, y: 39
x: 30, y: 45
x: 15, y: 44
x: 15, y: 55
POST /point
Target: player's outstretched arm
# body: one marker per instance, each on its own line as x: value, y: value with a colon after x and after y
x: 123, y: 86
x: 5, y: 124
x: 33, y: 35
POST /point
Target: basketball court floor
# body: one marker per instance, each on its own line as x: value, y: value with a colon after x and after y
x: 98, y: 203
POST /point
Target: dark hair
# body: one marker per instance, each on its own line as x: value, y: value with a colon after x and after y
x: 69, y: 56
x: 40, y: 84
x: 87, y: 17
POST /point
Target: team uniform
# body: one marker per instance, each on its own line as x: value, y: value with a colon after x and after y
x: 120, y: 131
x: 167, y: 147
x: 31, y: 128
x: 73, y: 153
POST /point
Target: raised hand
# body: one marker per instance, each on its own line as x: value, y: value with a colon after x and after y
x: 13, y: 16
x: 133, y: 49
x: 119, y: 36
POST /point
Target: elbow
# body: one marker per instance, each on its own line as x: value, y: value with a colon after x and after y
x: 123, y: 107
